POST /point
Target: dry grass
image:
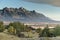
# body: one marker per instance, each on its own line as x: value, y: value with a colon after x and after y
x: 4, y: 36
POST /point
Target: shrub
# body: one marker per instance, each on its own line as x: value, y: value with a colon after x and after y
x: 12, y: 30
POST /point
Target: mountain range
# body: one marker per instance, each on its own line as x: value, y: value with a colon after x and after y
x: 23, y: 15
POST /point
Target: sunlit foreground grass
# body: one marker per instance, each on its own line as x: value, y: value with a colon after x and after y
x: 42, y: 38
x: 4, y: 36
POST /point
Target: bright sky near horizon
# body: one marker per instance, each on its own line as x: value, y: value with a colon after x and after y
x: 48, y: 10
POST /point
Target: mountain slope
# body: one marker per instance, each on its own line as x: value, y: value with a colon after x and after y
x: 21, y: 14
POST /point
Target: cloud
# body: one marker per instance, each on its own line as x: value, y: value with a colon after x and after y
x: 51, y: 2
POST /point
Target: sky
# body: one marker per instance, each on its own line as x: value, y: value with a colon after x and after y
x: 50, y: 9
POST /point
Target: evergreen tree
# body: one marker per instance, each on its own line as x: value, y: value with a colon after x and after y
x: 57, y: 30
x: 2, y: 28
x: 46, y: 33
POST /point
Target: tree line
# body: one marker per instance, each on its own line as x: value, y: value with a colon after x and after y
x: 16, y: 28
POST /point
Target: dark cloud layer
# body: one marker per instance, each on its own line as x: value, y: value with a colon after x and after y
x: 51, y: 2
